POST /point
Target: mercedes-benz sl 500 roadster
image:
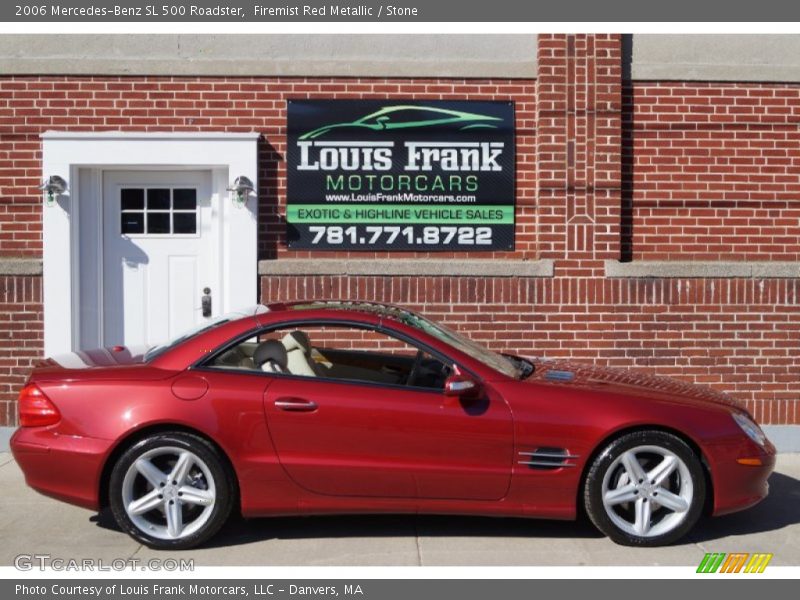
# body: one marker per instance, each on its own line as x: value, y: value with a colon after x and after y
x: 356, y: 407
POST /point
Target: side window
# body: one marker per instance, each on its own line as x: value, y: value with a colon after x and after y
x: 337, y: 352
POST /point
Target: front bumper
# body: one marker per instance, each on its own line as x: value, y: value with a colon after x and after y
x: 739, y: 486
x: 61, y: 466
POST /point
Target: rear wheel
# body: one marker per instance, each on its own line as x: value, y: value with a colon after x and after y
x: 646, y: 488
x: 171, y: 491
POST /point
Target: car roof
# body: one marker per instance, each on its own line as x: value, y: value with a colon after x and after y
x: 377, y: 309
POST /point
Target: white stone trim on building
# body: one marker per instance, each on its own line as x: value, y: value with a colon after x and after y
x: 254, y: 55
x: 81, y: 156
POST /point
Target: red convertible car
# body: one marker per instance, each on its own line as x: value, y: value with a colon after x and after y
x: 357, y: 407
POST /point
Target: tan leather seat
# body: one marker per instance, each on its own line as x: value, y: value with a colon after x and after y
x: 298, y: 351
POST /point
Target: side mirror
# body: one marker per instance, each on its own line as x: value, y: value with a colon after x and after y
x: 461, y: 386
x: 382, y: 121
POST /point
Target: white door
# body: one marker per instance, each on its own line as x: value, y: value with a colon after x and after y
x: 157, y: 254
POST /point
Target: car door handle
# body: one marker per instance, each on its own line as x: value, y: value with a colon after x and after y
x: 295, y: 404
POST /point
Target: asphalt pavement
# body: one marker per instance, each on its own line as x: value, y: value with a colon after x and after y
x: 33, y: 524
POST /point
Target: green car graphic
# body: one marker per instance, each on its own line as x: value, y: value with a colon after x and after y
x: 407, y: 117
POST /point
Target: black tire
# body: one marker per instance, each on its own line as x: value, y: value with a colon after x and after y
x: 593, y: 488
x: 223, y: 482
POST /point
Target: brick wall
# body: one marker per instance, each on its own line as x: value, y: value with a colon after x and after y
x: 21, y: 337
x: 579, y: 147
x: 20, y: 201
x: 605, y: 169
x: 712, y: 171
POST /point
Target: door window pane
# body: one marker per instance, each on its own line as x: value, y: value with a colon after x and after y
x: 132, y: 222
x: 184, y: 199
x: 184, y: 223
x: 157, y: 222
x: 132, y: 199
x: 158, y: 199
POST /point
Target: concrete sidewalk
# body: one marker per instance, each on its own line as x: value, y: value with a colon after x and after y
x: 33, y: 524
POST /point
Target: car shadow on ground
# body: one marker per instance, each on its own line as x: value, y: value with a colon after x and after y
x: 779, y: 510
x: 244, y: 531
x: 375, y: 526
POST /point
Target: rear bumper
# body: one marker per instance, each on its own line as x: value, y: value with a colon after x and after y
x: 64, y: 467
x: 739, y: 486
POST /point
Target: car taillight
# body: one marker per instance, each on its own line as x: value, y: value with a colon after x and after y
x: 35, y: 408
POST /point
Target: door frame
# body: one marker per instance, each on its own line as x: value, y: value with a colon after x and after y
x: 81, y: 157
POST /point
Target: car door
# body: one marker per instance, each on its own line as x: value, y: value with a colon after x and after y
x: 356, y: 438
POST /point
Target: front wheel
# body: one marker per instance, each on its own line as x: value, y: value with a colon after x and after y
x: 646, y: 488
x: 171, y: 491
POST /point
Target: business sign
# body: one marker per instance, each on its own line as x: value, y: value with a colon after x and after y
x: 400, y: 175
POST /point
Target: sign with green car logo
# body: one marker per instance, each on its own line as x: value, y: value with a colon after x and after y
x: 400, y: 175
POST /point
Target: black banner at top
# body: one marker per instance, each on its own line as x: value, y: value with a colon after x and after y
x: 397, y: 11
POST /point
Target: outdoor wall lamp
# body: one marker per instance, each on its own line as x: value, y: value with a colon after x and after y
x: 54, y: 186
x: 242, y: 188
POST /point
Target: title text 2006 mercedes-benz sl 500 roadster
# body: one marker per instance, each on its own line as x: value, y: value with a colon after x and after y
x: 357, y: 407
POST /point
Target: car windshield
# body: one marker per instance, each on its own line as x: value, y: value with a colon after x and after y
x: 491, y: 359
x: 159, y: 349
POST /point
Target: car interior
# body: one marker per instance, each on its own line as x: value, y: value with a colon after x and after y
x: 291, y: 352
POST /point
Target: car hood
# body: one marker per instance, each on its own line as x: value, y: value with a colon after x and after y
x: 621, y: 381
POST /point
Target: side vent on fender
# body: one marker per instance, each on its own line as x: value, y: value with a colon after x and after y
x: 547, y: 458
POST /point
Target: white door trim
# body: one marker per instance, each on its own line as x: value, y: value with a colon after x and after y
x: 66, y: 154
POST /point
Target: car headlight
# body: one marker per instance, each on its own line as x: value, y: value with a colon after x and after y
x: 751, y: 428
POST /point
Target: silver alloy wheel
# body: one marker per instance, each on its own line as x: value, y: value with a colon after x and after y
x: 169, y: 493
x: 647, y: 491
